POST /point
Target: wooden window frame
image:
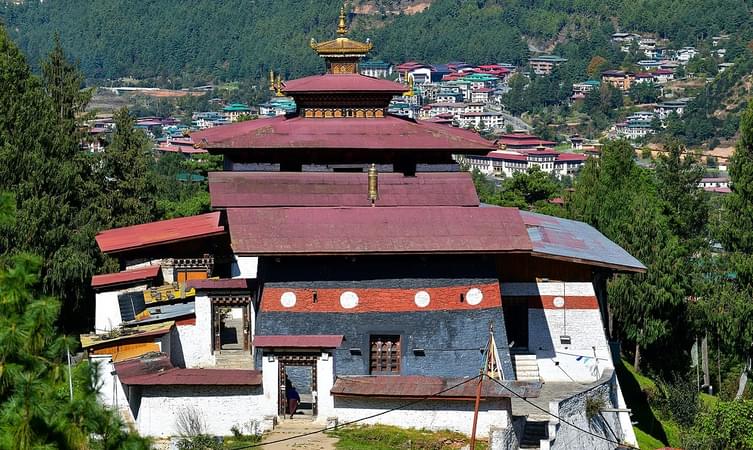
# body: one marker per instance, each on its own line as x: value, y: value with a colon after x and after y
x: 385, y: 355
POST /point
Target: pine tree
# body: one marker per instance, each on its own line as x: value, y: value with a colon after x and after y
x: 129, y: 190
x: 736, y: 231
x: 43, y: 403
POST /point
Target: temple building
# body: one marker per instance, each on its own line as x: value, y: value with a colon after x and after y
x: 347, y: 255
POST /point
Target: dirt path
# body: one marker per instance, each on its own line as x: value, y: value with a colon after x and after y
x: 289, y: 428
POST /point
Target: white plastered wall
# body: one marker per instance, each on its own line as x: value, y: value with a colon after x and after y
x: 325, y: 378
x: 587, y: 355
x: 244, y: 267
x: 196, y: 340
x: 107, y: 309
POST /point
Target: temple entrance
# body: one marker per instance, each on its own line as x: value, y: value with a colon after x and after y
x: 298, y: 372
x: 231, y: 324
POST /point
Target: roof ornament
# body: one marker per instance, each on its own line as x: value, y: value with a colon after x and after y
x: 271, y: 80
x: 411, y: 86
x: 278, y: 87
x: 342, y: 29
x: 373, y: 184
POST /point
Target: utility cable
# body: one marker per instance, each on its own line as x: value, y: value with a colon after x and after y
x: 561, y: 419
x: 361, y: 419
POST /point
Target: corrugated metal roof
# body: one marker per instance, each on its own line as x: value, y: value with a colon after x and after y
x: 300, y: 341
x: 128, y: 276
x: 126, y: 334
x: 263, y: 189
x: 165, y: 312
x: 412, y: 386
x: 342, y: 83
x: 440, y: 229
x: 156, y: 369
x: 161, y: 232
x: 577, y: 242
x: 386, y: 133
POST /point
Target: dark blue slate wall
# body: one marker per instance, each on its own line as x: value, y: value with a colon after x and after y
x: 452, y: 340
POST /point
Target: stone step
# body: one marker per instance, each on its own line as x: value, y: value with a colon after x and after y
x: 524, y: 357
x: 527, y: 364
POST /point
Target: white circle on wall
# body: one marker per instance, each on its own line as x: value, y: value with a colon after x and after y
x: 349, y: 300
x: 474, y: 296
x: 288, y: 299
x: 559, y: 302
x: 422, y: 299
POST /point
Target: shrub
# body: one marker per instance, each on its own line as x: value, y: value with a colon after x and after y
x: 725, y: 425
x: 680, y: 401
x: 199, y: 442
x: 594, y: 405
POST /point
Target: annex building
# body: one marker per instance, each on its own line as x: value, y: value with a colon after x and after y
x: 347, y: 252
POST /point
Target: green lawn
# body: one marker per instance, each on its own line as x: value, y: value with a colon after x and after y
x: 383, y: 437
x: 651, y: 431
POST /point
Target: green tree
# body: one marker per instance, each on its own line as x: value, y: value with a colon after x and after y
x: 736, y: 232
x: 530, y: 189
x: 129, y: 194
x: 43, y: 404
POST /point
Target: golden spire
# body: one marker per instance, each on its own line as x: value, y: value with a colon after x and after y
x: 278, y: 91
x: 411, y: 88
x: 341, y: 28
x: 271, y: 80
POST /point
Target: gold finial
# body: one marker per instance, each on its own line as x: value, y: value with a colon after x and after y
x: 341, y: 28
x: 271, y: 80
x: 411, y: 82
x: 373, y: 184
x: 278, y: 91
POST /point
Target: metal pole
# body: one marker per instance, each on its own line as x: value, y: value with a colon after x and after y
x: 70, y: 376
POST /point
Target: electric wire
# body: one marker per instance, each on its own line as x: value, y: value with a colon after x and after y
x: 563, y: 420
x: 415, y: 402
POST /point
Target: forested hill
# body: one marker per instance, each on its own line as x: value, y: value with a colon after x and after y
x: 202, y: 40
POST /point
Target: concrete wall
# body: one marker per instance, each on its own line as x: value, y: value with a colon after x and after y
x: 107, y: 309
x: 244, y: 267
x: 573, y: 411
x: 587, y: 355
x: 432, y: 415
x: 109, y: 390
x: 507, y: 438
x: 217, y: 407
x: 196, y: 340
x: 451, y: 340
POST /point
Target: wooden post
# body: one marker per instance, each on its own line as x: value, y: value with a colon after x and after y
x: 475, y: 410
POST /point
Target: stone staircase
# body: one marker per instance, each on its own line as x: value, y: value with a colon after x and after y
x: 525, y: 366
x: 233, y: 359
x: 533, y: 433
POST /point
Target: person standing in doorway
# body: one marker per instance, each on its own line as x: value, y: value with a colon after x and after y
x: 293, y: 399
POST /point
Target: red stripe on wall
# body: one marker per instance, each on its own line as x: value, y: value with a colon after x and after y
x: 547, y: 302
x: 380, y: 300
x: 186, y: 321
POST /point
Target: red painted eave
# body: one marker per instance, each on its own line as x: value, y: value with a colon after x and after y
x: 128, y: 276
x: 386, y: 133
x: 160, y: 233
x: 342, y: 83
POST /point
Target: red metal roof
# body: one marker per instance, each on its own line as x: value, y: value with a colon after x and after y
x: 161, y: 232
x: 210, y: 284
x: 572, y: 157
x: 128, y: 276
x: 267, y: 189
x: 301, y: 341
x: 387, y: 133
x: 156, y: 369
x: 412, y: 386
x: 443, y: 229
x: 351, y: 82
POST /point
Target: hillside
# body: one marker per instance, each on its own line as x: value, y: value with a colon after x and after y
x: 180, y: 42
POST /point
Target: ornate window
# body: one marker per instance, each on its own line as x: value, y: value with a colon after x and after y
x: 384, y: 357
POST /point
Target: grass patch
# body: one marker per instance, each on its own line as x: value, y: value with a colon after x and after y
x: 230, y: 442
x: 652, y: 431
x: 383, y: 437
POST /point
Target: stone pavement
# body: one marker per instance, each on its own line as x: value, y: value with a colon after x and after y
x: 288, y: 428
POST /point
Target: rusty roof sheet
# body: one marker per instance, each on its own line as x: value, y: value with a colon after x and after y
x: 575, y: 241
x: 128, y: 276
x: 156, y: 369
x: 415, y: 386
x: 300, y: 341
x: 160, y: 232
x: 217, y: 284
x: 334, y: 83
x: 386, y: 133
x: 327, y: 231
x: 265, y: 189
x: 126, y: 334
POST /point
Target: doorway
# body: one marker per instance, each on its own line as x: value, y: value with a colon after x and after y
x: 230, y: 324
x: 515, y: 311
x: 299, y: 372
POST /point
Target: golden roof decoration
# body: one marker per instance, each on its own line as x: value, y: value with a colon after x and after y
x: 341, y: 46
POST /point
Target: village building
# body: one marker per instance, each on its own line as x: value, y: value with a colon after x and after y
x: 375, y: 68
x: 618, y: 79
x: 347, y: 255
x: 235, y: 110
x: 664, y: 109
x: 544, y: 64
x: 505, y: 163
